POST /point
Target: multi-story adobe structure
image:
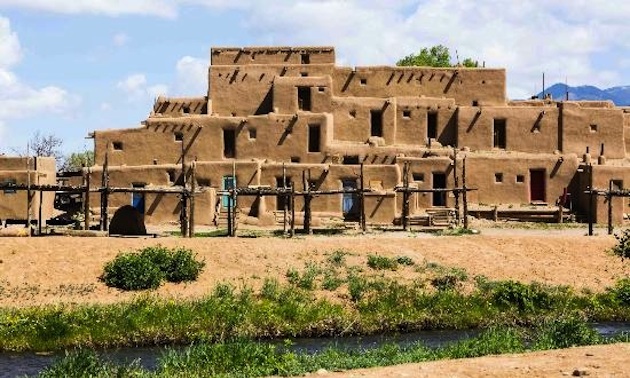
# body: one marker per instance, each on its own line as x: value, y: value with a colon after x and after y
x: 271, y: 110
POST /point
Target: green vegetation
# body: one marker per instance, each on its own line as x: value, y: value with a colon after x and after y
x: 622, y: 249
x: 148, y: 267
x: 245, y: 358
x: 378, y: 262
x: 436, y: 56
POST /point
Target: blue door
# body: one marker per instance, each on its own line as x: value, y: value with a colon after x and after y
x: 137, y: 199
x: 350, y: 202
x: 229, y: 182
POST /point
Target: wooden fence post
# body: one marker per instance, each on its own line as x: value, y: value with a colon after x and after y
x: 465, y: 193
x: 610, y: 197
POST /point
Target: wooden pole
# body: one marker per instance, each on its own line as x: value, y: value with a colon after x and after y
x: 456, y: 192
x: 193, y: 188
x: 610, y: 197
x: 230, y: 232
x: 590, y: 201
x: 292, y: 210
x: 29, y: 196
x: 465, y: 193
x: 285, y: 201
x: 104, y: 190
x: 234, y: 199
x: 405, y: 207
x: 86, y: 201
x: 183, y: 215
x: 40, y: 215
x: 307, y: 204
x: 362, y: 184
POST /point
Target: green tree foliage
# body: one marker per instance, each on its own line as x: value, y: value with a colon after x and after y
x: 436, y: 56
x: 76, y: 160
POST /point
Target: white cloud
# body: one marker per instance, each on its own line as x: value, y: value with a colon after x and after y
x: 19, y: 100
x: 136, y: 87
x: 120, y: 39
x: 191, y: 76
x: 161, y: 8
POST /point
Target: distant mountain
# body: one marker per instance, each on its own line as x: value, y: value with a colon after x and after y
x: 619, y: 95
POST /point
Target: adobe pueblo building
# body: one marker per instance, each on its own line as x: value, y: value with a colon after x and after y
x: 288, y: 117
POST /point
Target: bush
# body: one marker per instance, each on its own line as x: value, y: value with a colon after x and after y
x: 147, y: 268
x: 622, y: 249
x: 621, y: 291
x: 565, y: 333
x: 524, y: 297
x: 132, y: 271
x: 377, y: 262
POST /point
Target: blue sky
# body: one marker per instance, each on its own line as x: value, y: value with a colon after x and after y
x: 68, y: 67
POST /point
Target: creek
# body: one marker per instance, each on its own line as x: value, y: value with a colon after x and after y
x: 30, y: 364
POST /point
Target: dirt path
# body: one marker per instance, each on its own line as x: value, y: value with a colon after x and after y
x: 66, y: 269
x: 597, y: 361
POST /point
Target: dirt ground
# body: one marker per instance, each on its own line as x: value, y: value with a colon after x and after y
x: 55, y: 270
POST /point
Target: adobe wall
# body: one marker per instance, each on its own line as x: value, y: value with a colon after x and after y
x: 496, y: 176
x: 285, y: 94
x: 247, y: 90
x: 223, y: 56
x: 465, y: 85
x: 528, y: 129
x: 13, y: 204
x: 276, y: 137
x: 602, y: 174
x: 179, y: 106
x: 626, y: 129
x: 590, y: 124
x: 421, y: 175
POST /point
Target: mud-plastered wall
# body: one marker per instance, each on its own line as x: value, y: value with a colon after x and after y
x: 424, y: 121
x: 293, y: 94
x: 584, y: 125
x: 466, y: 86
x: 13, y: 204
x: 513, y: 128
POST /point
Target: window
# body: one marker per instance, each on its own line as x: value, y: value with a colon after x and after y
x: 617, y: 184
x: 520, y: 179
x: 313, y: 184
x: 305, y: 58
x: 475, y: 103
x: 363, y: 81
x: 432, y: 125
x: 351, y: 160
x: 406, y: 114
x: 498, y: 177
x: 353, y: 113
x: 304, y: 98
x: 418, y: 177
x: 295, y: 159
x: 171, y: 176
x: 252, y: 133
x: 10, y: 181
x: 229, y: 143
x: 593, y: 128
x: 499, y: 130
x: 314, y: 138
x: 117, y: 146
x: 321, y: 89
x: 179, y: 136
x: 185, y: 109
x: 376, y: 123
x: 203, y: 181
x: 304, y: 74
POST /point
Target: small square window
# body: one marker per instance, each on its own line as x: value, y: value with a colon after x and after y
x: 363, y: 81
x: 321, y: 89
x: 305, y: 58
x: 593, y: 128
x: 418, y: 177
x: 353, y: 113
x: 295, y: 159
x: 7, y: 182
x: 186, y: 109
x: 118, y: 146
x: 304, y: 74
x: 203, y: 181
x: 252, y: 133
x: 498, y: 177
x: 475, y: 103
x: 179, y: 136
x: 351, y: 160
x: 520, y: 179
x: 406, y: 113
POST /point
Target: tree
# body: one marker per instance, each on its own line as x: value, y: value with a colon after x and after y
x: 436, y: 56
x: 76, y: 160
x: 43, y: 145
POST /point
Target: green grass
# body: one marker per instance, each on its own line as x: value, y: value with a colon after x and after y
x: 246, y: 358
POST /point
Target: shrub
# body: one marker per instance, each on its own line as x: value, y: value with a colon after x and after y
x: 132, y: 271
x: 449, y: 279
x: 337, y: 258
x: 524, y: 297
x: 622, y: 249
x: 377, y: 262
x: 621, y: 291
x: 182, y: 266
x: 148, y: 267
x: 565, y: 333
x: 405, y: 260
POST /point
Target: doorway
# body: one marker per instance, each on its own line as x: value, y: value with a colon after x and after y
x: 439, y: 182
x: 228, y: 182
x: 350, y: 203
x: 537, y: 185
x: 137, y: 199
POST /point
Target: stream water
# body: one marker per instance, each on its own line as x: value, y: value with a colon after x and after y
x: 30, y: 364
